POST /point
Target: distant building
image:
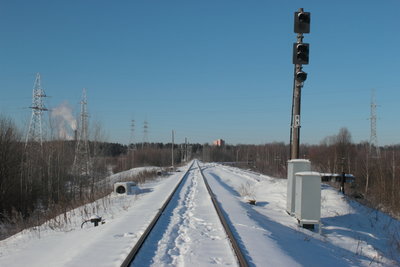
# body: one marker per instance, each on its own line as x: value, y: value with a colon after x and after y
x: 219, y: 142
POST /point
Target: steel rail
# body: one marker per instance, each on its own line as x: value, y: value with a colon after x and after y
x: 236, y: 249
x: 238, y: 252
x: 135, y: 250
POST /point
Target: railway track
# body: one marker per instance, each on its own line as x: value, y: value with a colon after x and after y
x: 190, y: 186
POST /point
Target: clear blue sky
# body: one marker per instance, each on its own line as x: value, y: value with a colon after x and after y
x: 207, y: 69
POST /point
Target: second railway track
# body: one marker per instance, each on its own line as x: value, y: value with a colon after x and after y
x: 185, y: 225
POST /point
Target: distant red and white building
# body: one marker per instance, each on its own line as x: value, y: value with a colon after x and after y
x: 219, y: 142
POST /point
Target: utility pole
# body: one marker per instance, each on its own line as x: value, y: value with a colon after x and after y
x: 186, y: 150
x: 172, y: 150
x: 393, y: 178
x: 133, y: 147
x: 300, y: 57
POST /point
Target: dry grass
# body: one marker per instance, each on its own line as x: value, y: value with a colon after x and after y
x: 16, y: 222
x: 247, y: 190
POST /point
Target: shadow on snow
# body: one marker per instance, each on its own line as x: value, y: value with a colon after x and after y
x: 304, y: 249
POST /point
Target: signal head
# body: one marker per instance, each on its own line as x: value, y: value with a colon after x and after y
x: 302, y: 22
x: 301, y: 53
x: 301, y: 76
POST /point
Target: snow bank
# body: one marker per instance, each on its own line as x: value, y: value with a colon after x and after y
x: 352, y: 234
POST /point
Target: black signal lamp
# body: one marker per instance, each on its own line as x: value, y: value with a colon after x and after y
x: 301, y: 53
x: 301, y: 76
x: 302, y: 22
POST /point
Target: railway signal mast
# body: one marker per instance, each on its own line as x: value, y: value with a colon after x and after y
x: 300, y: 58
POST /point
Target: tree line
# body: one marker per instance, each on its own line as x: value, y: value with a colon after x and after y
x: 376, y: 169
x: 38, y: 182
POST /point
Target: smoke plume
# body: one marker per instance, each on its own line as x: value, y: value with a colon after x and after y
x: 64, y: 119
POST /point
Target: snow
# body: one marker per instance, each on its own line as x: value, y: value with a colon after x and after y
x: 126, y: 175
x: 308, y: 173
x: 189, y: 232
x: 106, y: 245
x: 299, y: 160
x: 352, y: 234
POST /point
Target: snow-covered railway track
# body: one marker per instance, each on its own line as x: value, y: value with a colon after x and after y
x: 238, y: 252
x: 185, y: 227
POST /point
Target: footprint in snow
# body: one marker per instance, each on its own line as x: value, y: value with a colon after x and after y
x: 215, y: 237
x: 215, y: 260
x: 129, y: 234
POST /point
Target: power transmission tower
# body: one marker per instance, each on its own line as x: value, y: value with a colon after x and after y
x: 145, y: 133
x: 35, y: 131
x: 132, y: 147
x: 82, y: 161
x: 373, y: 141
x: 33, y: 171
x: 132, y: 140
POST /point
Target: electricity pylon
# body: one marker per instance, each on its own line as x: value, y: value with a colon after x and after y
x: 132, y: 139
x: 373, y: 141
x: 35, y: 131
x: 82, y: 161
x: 145, y: 133
x: 132, y: 146
x: 32, y: 171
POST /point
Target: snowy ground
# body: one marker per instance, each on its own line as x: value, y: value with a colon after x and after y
x: 189, y: 234
x: 352, y: 235
x: 126, y: 218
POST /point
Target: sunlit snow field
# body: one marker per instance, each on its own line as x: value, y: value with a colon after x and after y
x: 352, y: 235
